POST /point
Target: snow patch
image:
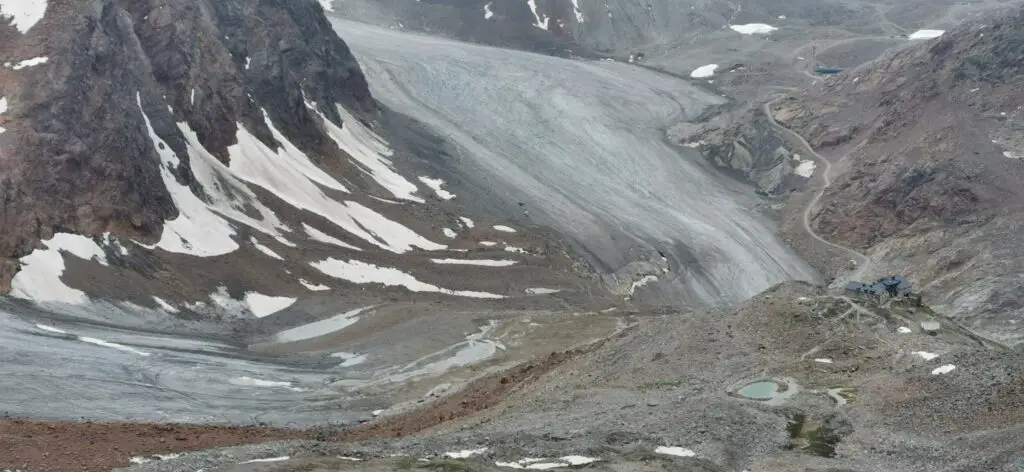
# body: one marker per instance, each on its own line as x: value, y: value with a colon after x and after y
x: 926, y: 34
x: 925, y: 355
x: 753, y: 28
x: 40, y: 276
x: 477, y: 262
x: 435, y: 184
x: 349, y: 358
x: 576, y: 9
x: 228, y: 195
x: 370, y: 153
x: 542, y: 291
x: 166, y: 306
x: 465, y: 453
x: 468, y: 223
x: 488, y: 243
x: 28, y: 63
x: 578, y: 460
x: 363, y: 273
x: 904, y: 330
x: 265, y: 305
x: 269, y: 459
x: 515, y: 249
x: 541, y: 21
x: 805, y: 169
x: 504, y: 229
x: 248, y: 62
x: 640, y: 283
x: 264, y: 249
x: 119, y: 347
x: 823, y: 360
x: 327, y: 5
x: 51, y: 329
x: 323, y: 237
x: 289, y: 174
x: 488, y: 14
x: 24, y: 14
x: 3, y: 109
x: 943, y: 369
x: 545, y: 464
x: 251, y: 382
x: 449, y: 233
x: 704, y: 71
x: 98, y: 342
x: 1012, y: 155
x: 154, y: 457
x: 223, y: 299
x: 196, y: 231
x: 313, y: 287
x: 535, y: 465
x: 320, y: 328
x: 675, y: 451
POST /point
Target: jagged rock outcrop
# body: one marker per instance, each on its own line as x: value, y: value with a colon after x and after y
x: 740, y: 143
x: 76, y: 154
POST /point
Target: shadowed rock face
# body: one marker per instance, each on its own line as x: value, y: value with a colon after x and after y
x: 76, y: 156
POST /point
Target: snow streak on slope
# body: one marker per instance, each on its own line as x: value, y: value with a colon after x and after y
x: 320, y: 328
x: 583, y: 145
x: 323, y: 237
x: 35, y: 61
x: 291, y: 176
x: 39, y: 278
x: 435, y: 185
x: 541, y: 21
x: 753, y: 28
x: 370, y: 153
x: 228, y: 195
x: 196, y: 230
x: 578, y: 11
x: 362, y: 273
x: 477, y: 262
x: 265, y: 250
x: 926, y: 34
x: 703, y: 72
x: 3, y: 109
x: 265, y: 305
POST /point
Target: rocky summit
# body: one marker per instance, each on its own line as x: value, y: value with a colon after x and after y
x: 474, y: 235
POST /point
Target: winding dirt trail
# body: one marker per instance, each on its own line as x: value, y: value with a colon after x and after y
x: 861, y: 260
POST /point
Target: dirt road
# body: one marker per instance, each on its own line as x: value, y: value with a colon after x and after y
x: 826, y: 169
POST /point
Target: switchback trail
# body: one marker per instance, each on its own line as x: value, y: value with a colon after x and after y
x: 861, y: 260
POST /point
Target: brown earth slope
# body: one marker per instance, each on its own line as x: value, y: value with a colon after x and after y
x: 926, y: 145
x: 931, y: 182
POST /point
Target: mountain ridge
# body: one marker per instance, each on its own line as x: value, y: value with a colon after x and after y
x: 91, y: 184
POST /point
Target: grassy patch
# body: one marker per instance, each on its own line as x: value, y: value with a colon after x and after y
x: 819, y: 440
x: 848, y: 394
x: 405, y: 463
x: 670, y: 383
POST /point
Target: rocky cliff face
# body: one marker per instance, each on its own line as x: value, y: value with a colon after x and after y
x: 928, y: 146
x: 77, y: 156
